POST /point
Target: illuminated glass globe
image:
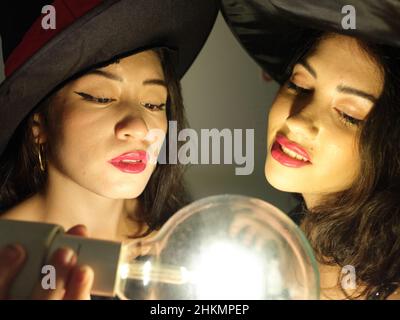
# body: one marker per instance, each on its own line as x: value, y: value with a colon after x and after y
x: 222, y: 247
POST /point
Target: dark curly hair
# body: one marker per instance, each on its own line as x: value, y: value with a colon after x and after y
x: 360, y: 226
x: 21, y: 177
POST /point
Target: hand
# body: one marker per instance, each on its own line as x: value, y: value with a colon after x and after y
x: 73, y: 282
x: 251, y: 232
x: 12, y: 258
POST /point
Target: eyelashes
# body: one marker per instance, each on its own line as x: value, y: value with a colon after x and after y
x: 88, y: 97
x: 298, y: 90
x: 149, y: 106
x: 153, y: 107
x: 349, y: 120
x: 345, y: 118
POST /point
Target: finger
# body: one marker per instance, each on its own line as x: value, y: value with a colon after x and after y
x: 248, y: 237
x: 239, y: 224
x: 260, y: 242
x: 12, y: 259
x: 238, y: 228
x: 78, y: 230
x: 234, y: 229
x: 80, y: 283
x: 63, y: 260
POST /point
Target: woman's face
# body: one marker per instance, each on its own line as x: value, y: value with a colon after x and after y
x: 320, y: 108
x: 107, y: 113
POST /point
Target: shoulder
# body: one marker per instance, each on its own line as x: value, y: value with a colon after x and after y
x: 27, y: 210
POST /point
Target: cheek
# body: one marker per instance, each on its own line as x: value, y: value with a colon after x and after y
x: 280, y: 107
x: 158, y: 127
x: 155, y: 120
x: 162, y: 123
x: 277, y: 115
x: 162, y: 126
x: 81, y: 135
x: 338, y: 161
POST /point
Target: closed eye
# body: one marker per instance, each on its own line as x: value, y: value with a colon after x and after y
x: 345, y: 118
x: 88, y: 97
x: 350, y: 121
x: 297, y: 89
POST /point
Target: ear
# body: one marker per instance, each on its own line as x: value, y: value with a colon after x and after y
x: 38, y: 131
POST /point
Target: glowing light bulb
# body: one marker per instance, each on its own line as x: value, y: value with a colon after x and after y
x: 226, y: 271
x: 221, y: 247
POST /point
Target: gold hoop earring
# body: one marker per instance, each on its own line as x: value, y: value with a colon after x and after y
x: 41, y: 161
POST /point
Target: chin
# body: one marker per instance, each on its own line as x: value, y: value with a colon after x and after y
x: 123, y: 191
x: 280, y: 181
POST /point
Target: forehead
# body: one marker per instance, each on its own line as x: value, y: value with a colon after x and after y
x: 142, y: 64
x: 340, y: 59
x: 144, y: 57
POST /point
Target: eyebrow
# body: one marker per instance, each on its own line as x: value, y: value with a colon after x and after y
x: 112, y: 76
x: 309, y: 68
x: 357, y: 92
x: 106, y: 74
x: 341, y: 88
x: 157, y: 82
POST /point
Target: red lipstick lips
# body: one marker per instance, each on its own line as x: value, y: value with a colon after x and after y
x: 131, y: 162
x: 285, y: 159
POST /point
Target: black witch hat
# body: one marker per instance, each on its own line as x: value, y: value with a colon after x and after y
x: 271, y: 31
x: 40, y: 54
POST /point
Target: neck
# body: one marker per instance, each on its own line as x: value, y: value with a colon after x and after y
x: 66, y: 203
x: 311, y: 200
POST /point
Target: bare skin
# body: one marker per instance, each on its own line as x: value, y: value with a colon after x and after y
x: 83, y: 188
x: 319, y: 126
x: 73, y: 282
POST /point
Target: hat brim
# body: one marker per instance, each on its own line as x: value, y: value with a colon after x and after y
x: 271, y: 31
x: 109, y: 30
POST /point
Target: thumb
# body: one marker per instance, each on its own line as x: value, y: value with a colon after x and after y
x: 78, y: 230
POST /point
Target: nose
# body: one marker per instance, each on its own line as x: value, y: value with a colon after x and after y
x: 131, y: 127
x: 303, y: 120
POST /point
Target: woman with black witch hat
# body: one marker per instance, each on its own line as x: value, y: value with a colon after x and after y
x: 334, y: 131
x: 81, y: 96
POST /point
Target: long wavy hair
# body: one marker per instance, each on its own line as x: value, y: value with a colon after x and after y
x: 21, y: 177
x: 360, y: 226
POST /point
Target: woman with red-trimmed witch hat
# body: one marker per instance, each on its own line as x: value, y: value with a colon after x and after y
x: 86, y: 83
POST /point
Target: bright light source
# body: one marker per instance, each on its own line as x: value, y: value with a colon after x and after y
x: 228, y: 271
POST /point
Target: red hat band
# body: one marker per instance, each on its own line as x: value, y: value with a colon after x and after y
x: 66, y: 12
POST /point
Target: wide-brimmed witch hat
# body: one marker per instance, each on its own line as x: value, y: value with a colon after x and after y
x: 44, y: 46
x: 271, y: 31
